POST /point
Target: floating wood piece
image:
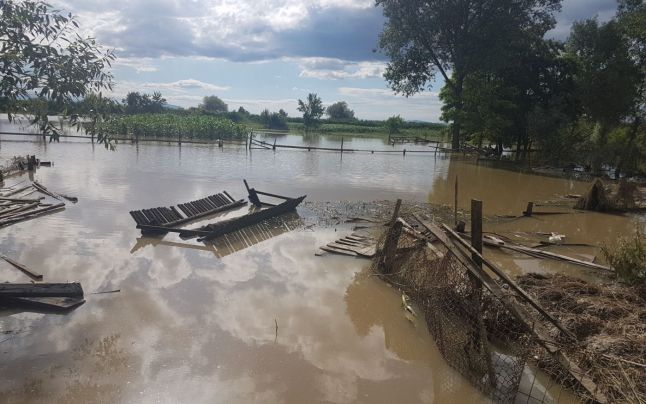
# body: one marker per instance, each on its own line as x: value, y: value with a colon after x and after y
x: 20, y: 200
x: 60, y: 197
x: 31, y: 214
x: 33, y: 275
x: 16, y: 209
x: 41, y: 290
x: 534, y: 252
x: 227, y: 226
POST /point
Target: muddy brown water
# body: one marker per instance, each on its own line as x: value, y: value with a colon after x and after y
x: 269, y: 323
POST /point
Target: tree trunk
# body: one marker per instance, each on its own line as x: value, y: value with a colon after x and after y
x: 457, y: 121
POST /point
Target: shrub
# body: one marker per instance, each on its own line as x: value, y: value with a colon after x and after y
x: 628, y: 259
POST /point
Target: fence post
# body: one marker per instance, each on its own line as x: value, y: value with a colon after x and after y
x: 476, y: 228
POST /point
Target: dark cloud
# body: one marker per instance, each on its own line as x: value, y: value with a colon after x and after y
x: 250, y: 30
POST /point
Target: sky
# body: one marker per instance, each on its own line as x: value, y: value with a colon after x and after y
x: 264, y: 53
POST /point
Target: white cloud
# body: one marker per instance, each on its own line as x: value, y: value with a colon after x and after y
x: 331, y: 68
x: 378, y: 103
x: 184, y: 85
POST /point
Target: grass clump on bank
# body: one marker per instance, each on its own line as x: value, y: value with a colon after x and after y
x: 628, y: 259
x: 203, y: 127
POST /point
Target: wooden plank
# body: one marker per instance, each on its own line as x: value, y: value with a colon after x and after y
x: 41, y: 290
x: 229, y: 196
x: 19, y: 208
x: 534, y: 252
x: 20, y: 200
x: 31, y: 214
x: 337, y: 251
x: 33, y: 275
x: 273, y: 195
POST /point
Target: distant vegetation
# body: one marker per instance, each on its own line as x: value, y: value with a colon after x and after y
x: 191, y: 126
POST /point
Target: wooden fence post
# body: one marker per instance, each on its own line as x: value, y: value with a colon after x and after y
x: 476, y: 228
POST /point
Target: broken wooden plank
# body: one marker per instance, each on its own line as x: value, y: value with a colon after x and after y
x: 338, y: 251
x: 55, y: 195
x: 33, y: 275
x: 19, y: 208
x: 545, y: 254
x: 41, y: 290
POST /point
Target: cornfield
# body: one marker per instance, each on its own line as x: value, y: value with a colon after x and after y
x: 172, y: 125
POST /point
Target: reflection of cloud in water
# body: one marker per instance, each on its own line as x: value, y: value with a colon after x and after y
x: 190, y: 326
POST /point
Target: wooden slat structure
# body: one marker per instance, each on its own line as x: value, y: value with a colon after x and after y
x: 155, y: 219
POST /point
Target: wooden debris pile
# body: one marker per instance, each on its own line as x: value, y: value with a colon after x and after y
x: 354, y: 245
x: 16, y: 205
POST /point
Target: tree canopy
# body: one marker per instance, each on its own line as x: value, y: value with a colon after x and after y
x: 312, y: 109
x: 339, y: 111
x: 422, y: 38
x: 42, y: 57
x: 136, y: 103
x: 213, y: 103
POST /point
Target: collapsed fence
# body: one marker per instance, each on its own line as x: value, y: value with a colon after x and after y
x: 486, y: 328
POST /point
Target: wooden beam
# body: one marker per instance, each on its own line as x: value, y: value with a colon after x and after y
x: 41, y: 290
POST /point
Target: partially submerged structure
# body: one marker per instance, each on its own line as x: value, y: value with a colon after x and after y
x: 165, y: 220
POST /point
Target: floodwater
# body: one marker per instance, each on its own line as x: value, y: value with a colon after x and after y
x: 270, y: 323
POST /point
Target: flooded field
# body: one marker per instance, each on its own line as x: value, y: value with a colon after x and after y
x: 269, y: 323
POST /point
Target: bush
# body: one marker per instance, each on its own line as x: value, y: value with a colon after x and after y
x: 628, y: 259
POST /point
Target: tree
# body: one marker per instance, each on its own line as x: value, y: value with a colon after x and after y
x: 631, y: 17
x: 312, y: 110
x: 213, y: 103
x: 607, y: 79
x: 273, y: 120
x: 282, y: 113
x: 394, y: 124
x: 423, y: 37
x: 42, y: 57
x: 136, y: 103
x: 339, y: 111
